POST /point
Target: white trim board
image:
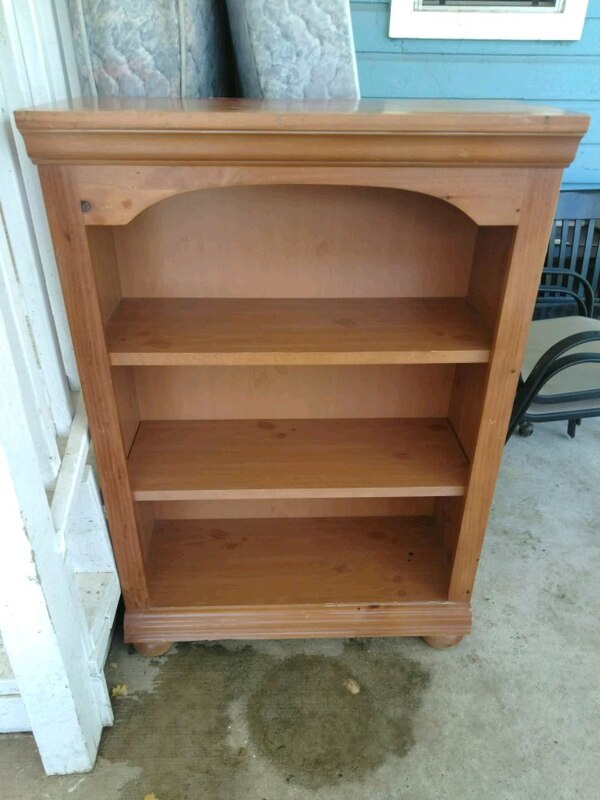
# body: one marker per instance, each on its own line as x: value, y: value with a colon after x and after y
x: 409, y: 21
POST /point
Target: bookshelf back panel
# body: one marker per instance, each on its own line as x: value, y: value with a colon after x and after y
x: 297, y: 241
x: 283, y: 508
x: 172, y: 393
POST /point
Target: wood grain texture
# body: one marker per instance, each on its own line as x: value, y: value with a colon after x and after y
x: 297, y: 242
x: 229, y: 459
x: 86, y: 323
x: 157, y: 113
x: 516, y: 309
x: 338, y: 132
x: 152, y: 649
x: 489, y: 196
x: 261, y: 578
x: 406, y: 390
x: 466, y: 403
x: 296, y: 561
x: 185, y: 331
x: 276, y: 147
x: 108, y: 284
x: 102, y: 251
x: 442, y: 642
x: 320, y: 507
x: 297, y: 622
x: 123, y: 385
x: 489, y: 271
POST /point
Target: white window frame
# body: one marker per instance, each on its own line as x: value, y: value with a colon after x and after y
x: 410, y: 21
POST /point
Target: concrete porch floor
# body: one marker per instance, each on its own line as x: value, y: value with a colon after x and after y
x: 513, y: 713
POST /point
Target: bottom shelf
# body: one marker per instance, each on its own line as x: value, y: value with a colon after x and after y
x: 263, y: 578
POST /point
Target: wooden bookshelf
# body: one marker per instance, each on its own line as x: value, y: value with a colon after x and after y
x: 299, y: 329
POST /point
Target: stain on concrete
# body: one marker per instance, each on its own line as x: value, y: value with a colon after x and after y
x: 303, y: 719
x: 216, y: 709
x: 178, y: 732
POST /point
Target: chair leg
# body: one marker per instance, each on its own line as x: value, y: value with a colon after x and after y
x: 572, y: 427
x: 525, y: 428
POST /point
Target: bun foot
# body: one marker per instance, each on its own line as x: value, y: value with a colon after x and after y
x: 152, y: 648
x: 442, y: 642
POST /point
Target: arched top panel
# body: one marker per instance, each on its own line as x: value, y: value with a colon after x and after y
x: 115, y: 196
x: 297, y: 241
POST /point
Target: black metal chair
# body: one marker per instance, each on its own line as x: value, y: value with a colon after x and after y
x: 560, y: 376
x: 574, y: 249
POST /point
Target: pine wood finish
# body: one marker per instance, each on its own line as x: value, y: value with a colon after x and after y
x: 119, y: 196
x: 297, y: 571
x: 201, y: 332
x: 244, y: 459
x: 282, y: 392
x: 443, y: 642
x: 101, y: 130
x: 345, y: 560
x: 299, y: 329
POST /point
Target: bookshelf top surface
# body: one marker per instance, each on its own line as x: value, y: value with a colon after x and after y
x: 233, y: 114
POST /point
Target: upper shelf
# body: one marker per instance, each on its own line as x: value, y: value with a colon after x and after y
x: 176, y: 331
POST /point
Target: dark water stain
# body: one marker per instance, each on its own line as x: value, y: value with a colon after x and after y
x: 342, y: 569
x: 178, y: 734
x: 265, y: 425
x: 306, y: 722
x: 301, y: 719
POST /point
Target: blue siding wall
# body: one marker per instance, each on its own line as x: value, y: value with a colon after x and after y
x: 565, y: 74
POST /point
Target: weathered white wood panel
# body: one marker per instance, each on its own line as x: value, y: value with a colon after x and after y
x: 32, y: 68
x: 69, y: 478
x: 58, y: 584
x: 87, y: 543
x: 41, y: 616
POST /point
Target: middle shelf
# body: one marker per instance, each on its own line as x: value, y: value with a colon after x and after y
x: 237, y: 459
x: 260, y: 331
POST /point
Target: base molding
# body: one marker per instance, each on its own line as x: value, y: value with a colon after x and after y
x: 158, y: 625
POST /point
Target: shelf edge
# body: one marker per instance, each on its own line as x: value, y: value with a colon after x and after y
x: 144, y: 359
x: 147, y: 495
